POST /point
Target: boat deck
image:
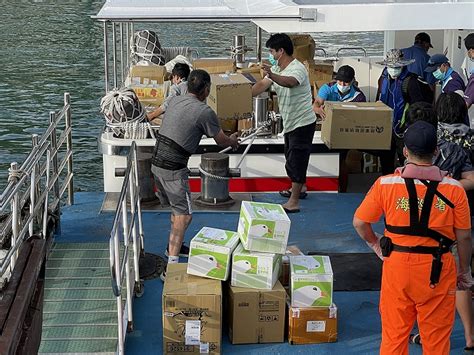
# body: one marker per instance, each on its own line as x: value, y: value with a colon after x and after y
x: 325, y: 225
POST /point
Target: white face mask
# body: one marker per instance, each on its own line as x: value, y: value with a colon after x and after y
x: 394, y: 72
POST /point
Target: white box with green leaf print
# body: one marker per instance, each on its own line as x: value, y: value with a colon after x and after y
x: 210, y: 253
x: 311, y: 281
x: 254, y: 270
x: 264, y: 227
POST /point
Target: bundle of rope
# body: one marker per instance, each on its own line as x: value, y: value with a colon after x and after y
x: 121, y: 108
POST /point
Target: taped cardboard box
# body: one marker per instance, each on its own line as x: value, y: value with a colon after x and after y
x: 263, y: 227
x: 319, y: 72
x: 285, y: 264
x: 192, y: 313
x: 256, y: 316
x: 303, y: 46
x: 311, y: 281
x: 312, y: 325
x: 210, y: 253
x: 215, y: 66
x: 254, y: 270
x: 147, y: 74
x: 252, y: 73
x: 357, y: 125
x: 231, y: 96
x: 152, y: 94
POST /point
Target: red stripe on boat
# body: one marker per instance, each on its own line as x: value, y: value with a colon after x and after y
x: 271, y: 184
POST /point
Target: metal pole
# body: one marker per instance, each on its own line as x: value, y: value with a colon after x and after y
x: 54, y: 152
x: 139, y: 207
x: 136, y: 249
x: 15, y: 214
x: 45, y: 208
x: 259, y: 44
x: 106, y: 57
x: 67, y: 118
x: 121, y: 337
x: 125, y: 229
x: 114, y: 53
x: 122, y: 56
x: 34, y: 141
x: 127, y: 33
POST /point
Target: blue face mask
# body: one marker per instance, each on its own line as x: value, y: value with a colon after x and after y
x: 272, y: 60
x: 343, y: 89
x: 438, y: 74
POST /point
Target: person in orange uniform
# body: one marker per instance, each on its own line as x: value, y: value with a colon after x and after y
x: 426, y: 212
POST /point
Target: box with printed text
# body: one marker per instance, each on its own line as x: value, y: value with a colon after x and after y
x: 311, y: 281
x: 263, y: 227
x: 210, y: 253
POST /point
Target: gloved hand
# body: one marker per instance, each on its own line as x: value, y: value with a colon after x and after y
x: 464, y: 281
x: 375, y: 246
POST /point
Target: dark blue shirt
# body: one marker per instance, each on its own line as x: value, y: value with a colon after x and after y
x: 453, y: 83
x: 418, y: 53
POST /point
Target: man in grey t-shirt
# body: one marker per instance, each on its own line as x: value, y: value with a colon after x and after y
x: 186, y: 120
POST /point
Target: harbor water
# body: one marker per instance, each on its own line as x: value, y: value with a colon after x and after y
x: 50, y: 47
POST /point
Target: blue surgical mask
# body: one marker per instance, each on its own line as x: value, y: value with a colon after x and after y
x: 343, y: 89
x: 272, y: 59
x: 394, y: 72
x: 438, y: 74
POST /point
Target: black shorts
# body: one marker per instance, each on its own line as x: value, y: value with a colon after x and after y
x: 298, y: 144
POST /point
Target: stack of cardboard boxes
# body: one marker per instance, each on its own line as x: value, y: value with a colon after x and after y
x: 312, y: 313
x: 255, y: 300
x: 150, y: 83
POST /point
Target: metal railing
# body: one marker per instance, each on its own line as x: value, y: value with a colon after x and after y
x: 34, y: 190
x: 128, y: 225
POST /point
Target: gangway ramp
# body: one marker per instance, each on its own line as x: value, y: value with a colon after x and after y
x: 80, y: 309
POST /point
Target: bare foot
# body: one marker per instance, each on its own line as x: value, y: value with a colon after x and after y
x: 291, y: 206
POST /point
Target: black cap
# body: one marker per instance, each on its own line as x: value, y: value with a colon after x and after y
x: 420, y: 138
x: 345, y: 73
x: 423, y: 37
x: 469, y: 41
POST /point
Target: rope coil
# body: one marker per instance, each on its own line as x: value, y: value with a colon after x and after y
x: 212, y: 176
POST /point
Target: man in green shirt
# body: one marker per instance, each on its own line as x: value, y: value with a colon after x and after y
x: 289, y: 78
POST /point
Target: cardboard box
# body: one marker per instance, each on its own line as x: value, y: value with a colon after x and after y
x: 147, y: 74
x: 210, y: 253
x: 231, y: 96
x: 152, y: 94
x: 263, y: 227
x: 303, y: 46
x: 215, y: 66
x: 256, y: 316
x: 311, y: 281
x: 192, y: 313
x: 254, y: 270
x: 357, y: 125
x: 244, y: 125
x: 285, y: 264
x: 228, y: 126
x: 312, y: 325
x: 252, y: 73
x: 320, y: 73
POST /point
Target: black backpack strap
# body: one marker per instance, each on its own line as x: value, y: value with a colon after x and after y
x: 440, y: 195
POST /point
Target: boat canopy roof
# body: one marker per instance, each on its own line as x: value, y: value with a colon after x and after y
x: 293, y: 16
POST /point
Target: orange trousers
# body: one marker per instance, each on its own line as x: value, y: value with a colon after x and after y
x: 406, y: 296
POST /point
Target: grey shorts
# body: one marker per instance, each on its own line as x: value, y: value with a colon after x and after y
x: 173, y: 189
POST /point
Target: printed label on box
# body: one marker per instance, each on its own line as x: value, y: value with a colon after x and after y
x: 193, y: 332
x: 295, y: 312
x: 204, y: 348
x: 316, y: 326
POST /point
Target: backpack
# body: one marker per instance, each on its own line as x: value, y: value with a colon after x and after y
x: 451, y: 158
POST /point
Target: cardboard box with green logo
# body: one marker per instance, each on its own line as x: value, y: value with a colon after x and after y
x: 210, y: 253
x: 253, y: 269
x: 311, y: 281
x: 263, y: 227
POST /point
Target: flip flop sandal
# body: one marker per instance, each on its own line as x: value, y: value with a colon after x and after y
x: 287, y: 194
x: 469, y: 350
x: 415, y: 339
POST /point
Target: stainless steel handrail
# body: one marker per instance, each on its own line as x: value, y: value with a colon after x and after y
x: 351, y: 49
x: 126, y: 230
x: 29, y: 185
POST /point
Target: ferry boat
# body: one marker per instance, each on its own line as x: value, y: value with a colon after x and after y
x: 71, y: 268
